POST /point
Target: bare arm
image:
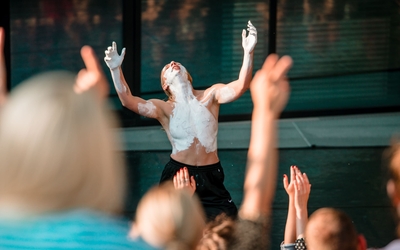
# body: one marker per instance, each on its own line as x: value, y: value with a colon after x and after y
x: 302, y: 193
x: 290, y: 227
x: 3, y: 70
x: 270, y: 92
x: 150, y: 108
x: 225, y: 93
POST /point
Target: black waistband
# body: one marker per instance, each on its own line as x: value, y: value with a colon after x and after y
x: 203, y: 167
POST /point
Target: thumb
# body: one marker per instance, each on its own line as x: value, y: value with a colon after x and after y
x: 123, y: 52
x: 285, y: 181
x: 192, y: 181
x: 243, y: 34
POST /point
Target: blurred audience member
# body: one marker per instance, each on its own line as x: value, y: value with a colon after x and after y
x: 61, y: 181
x: 332, y: 229
x: 169, y: 218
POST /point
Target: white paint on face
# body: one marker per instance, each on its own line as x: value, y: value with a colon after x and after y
x: 226, y: 94
x: 176, y: 77
x: 146, y: 109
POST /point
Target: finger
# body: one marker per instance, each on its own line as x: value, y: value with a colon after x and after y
x: 306, y: 180
x: 261, y: 74
x: 175, y: 182
x: 270, y: 62
x: 292, y: 174
x: 2, y: 39
x: 296, y: 185
x: 186, y: 173
x: 114, y: 46
x: 178, y: 176
x: 182, y: 175
x: 281, y: 68
x: 90, y: 59
x: 285, y: 181
x: 192, y: 182
x: 300, y: 179
x: 123, y: 52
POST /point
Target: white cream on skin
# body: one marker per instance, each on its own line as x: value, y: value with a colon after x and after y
x: 146, y: 109
x: 190, y: 118
x: 226, y: 94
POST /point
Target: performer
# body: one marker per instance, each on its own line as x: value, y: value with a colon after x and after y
x: 190, y: 119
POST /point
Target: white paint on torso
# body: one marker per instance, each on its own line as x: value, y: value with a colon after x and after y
x: 190, y: 118
x: 146, y: 109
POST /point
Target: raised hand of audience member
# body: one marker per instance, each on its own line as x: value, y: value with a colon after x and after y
x: 290, y: 228
x: 302, y: 193
x: 92, y: 76
x: 182, y: 180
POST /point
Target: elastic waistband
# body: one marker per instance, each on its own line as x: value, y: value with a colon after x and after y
x: 197, y: 168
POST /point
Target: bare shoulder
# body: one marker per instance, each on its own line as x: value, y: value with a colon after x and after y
x: 156, y: 108
x: 209, y: 93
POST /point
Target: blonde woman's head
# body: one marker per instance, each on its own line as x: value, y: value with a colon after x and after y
x: 57, y: 150
x: 170, y: 218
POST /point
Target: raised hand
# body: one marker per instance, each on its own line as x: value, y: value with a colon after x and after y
x: 289, y: 187
x: 250, y: 41
x: 92, y: 76
x: 302, y: 193
x: 270, y: 87
x: 302, y: 190
x: 112, y: 58
x: 181, y: 180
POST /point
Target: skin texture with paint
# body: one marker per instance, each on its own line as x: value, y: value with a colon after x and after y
x: 189, y: 116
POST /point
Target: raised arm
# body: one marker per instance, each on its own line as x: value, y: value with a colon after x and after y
x: 290, y: 227
x: 3, y: 69
x: 151, y: 108
x: 302, y: 193
x: 225, y: 93
x: 269, y: 92
x: 91, y: 77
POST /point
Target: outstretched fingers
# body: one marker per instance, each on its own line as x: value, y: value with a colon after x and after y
x: 250, y: 27
x: 281, y: 67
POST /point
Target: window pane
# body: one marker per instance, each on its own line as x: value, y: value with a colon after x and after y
x: 346, y: 53
x: 48, y: 34
x: 205, y: 36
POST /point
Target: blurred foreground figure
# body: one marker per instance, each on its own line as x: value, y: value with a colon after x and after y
x: 61, y: 181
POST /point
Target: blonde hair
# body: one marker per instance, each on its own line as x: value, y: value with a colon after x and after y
x: 57, y: 150
x: 170, y: 218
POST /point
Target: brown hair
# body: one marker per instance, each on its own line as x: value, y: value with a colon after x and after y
x: 332, y: 229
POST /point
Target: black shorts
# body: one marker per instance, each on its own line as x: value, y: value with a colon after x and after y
x: 209, y: 187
